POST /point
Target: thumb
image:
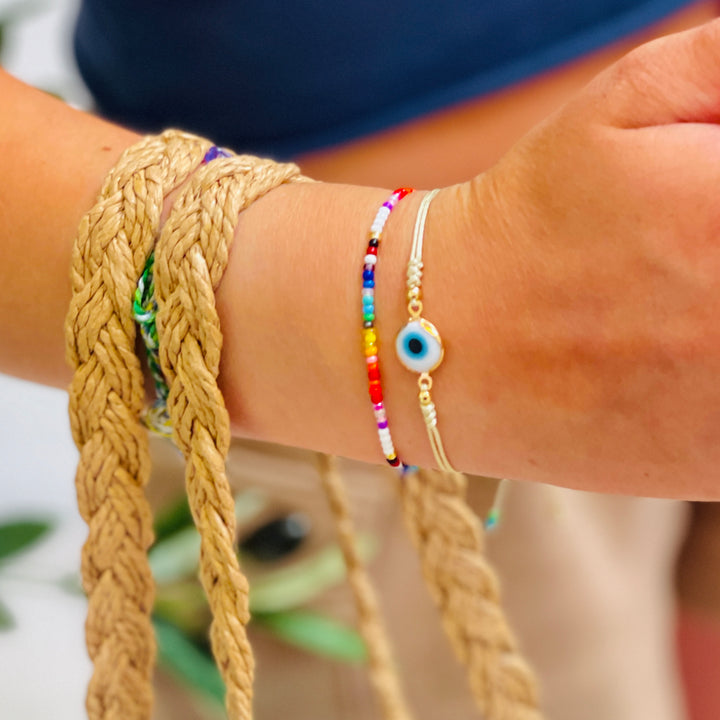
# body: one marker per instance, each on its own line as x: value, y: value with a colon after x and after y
x: 673, y: 79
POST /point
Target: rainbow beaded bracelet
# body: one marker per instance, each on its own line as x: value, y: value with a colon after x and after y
x: 369, y: 333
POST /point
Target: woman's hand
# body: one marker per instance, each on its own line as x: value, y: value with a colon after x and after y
x: 598, y: 253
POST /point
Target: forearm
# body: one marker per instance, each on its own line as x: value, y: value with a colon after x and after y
x: 292, y: 367
x: 574, y: 286
x: 52, y: 163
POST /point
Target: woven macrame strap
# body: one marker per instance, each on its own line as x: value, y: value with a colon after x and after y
x: 381, y: 665
x: 106, y: 399
x: 190, y: 259
x: 449, y: 539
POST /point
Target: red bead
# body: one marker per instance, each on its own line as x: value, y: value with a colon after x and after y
x: 373, y: 372
x: 402, y: 192
x: 372, y: 250
x: 375, y: 392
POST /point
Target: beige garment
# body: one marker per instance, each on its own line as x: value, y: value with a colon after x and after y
x: 587, y: 581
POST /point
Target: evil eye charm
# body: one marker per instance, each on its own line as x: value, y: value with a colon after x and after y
x: 419, y: 347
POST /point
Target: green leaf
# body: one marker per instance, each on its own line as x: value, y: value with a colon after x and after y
x: 18, y: 535
x: 289, y: 587
x: 176, y: 553
x: 184, y: 605
x: 171, y: 519
x: 176, y: 557
x: 177, y: 516
x: 6, y: 618
x: 186, y: 662
x: 316, y: 634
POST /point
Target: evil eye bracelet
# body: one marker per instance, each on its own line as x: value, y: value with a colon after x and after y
x: 369, y: 333
x: 418, y: 344
x: 420, y: 348
x: 145, y: 315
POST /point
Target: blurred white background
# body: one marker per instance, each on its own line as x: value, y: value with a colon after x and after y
x: 43, y: 663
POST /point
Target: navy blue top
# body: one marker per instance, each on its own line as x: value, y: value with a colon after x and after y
x: 285, y: 76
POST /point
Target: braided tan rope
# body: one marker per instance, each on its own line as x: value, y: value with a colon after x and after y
x: 190, y: 259
x: 383, y: 673
x: 449, y: 540
x: 106, y: 398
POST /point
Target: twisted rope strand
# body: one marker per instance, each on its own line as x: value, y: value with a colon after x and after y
x: 449, y: 540
x: 383, y: 672
x: 106, y: 398
x: 190, y: 259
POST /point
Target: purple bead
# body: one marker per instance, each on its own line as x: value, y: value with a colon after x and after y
x: 378, y: 406
x: 382, y: 425
x: 215, y: 152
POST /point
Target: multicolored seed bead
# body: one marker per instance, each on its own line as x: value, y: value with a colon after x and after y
x: 369, y: 333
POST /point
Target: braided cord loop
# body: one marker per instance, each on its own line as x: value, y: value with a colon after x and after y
x: 382, y: 669
x: 113, y: 244
x: 189, y: 263
x: 449, y: 539
x: 106, y: 400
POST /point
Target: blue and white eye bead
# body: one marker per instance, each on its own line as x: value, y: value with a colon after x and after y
x: 419, y: 347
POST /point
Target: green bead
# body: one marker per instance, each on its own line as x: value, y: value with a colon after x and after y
x: 368, y: 317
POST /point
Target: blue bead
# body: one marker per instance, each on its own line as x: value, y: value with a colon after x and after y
x: 368, y: 275
x: 368, y: 300
x: 492, y: 520
x: 368, y: 283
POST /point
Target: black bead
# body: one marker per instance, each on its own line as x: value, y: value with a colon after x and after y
x: 368, y: 324
x: 278, y: 538
x: 374, y: 242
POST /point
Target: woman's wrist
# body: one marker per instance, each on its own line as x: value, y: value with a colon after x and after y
x: 293, y: 369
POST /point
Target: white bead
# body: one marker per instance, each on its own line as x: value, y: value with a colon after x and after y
x: 368, y: 292
x: 370, y: 259
x: 384, y: 433
x: 376, y: 227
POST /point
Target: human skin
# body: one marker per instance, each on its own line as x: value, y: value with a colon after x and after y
x: 573, y: 284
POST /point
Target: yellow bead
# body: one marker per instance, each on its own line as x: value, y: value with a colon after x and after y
x: 370, y: 337
x: 370, y: 350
